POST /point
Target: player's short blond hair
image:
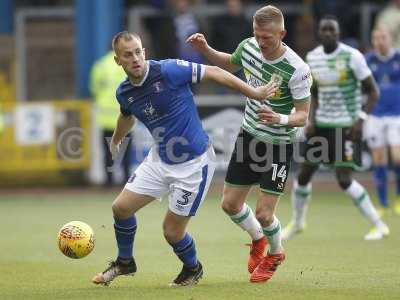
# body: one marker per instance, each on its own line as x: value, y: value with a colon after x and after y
x: 126, y: 36
x: 269, y: 14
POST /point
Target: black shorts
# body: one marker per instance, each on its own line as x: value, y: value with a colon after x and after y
x: 333, y: 146
x: 256, y: 162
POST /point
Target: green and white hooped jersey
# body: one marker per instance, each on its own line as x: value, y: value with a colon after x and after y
x: 291, y: 74
x: 338, y: 77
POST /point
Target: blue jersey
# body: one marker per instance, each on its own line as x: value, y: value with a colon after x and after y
x: 164, y: 103
x: 387, y: 74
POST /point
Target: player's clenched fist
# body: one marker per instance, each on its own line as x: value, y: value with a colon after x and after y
x: 198, y: 41
x: 268, y: 116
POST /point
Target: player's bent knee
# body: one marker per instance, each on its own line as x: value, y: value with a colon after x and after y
x: 265, y: 217
x: 380, y: 160
x: 120, y: 210
x: 344, y: 182
x: 172, y: 233
x: 172, y: 237
x: 396, y: 159
x: 233, y: 199
x: 230, y: 207
x: 305, y: 175
x: 302, y: 180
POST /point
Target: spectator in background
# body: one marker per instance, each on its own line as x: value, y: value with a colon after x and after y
x: 382, y: 129
x: 170, y: 31
x: 390, y: 18
x: 185, y: 25
x: 229, y: 29
x: 105, y: 77
x: 303, y: 31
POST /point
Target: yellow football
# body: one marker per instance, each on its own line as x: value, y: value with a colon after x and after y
x: 76, y: 239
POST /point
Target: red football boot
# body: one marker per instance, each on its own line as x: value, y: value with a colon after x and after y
x: 267, y: 267
x: 257, y: 249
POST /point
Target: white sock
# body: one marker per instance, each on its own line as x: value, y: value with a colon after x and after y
x: 361, y: 199
x: 246, y: 220
x: 300, y: 200
x: 273, y: 234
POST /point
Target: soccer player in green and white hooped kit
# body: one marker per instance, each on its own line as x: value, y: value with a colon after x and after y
x: 340, y: 75
x: 264, y: 147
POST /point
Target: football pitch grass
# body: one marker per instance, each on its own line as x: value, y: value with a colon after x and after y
x: 330, y: 260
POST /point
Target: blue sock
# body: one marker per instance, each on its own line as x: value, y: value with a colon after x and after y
x: 125, y: 234
x: 397, y: 172
x: 185, y: 249
x: 380, y: 178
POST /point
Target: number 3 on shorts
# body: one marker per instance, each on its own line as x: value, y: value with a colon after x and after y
x: 185, y: 197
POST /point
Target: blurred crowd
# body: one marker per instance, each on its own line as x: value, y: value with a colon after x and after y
x: 179, y: 18
x: 164, y: 31
x: 224, y: 22
x: 176, y: 19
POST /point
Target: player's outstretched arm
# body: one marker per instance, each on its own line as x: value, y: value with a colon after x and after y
x: 225, y: 78
x: 220, y: 59
x: 295, y: 119
x: 124, y: 125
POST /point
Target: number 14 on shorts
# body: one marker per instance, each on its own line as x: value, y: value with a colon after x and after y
x: 281, y: 173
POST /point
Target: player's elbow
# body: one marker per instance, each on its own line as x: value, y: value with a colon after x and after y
x: 126, y: 117
x: 215, y: 69
x: 211, y: 72
x: 129, y: 120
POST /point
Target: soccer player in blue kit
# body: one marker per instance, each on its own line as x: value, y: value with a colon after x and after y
x: 180, y: 163
x: 382, y: 129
